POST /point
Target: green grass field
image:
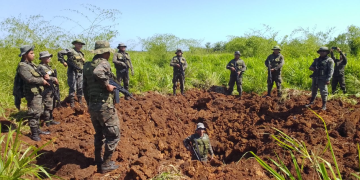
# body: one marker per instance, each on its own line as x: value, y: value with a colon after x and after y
x: 153, y: 73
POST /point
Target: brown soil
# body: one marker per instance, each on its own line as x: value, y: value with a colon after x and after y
x: 154, y: 126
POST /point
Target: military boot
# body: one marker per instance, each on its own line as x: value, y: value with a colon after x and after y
x: 127, y: 98
x: 182, y: 92
x: 43, y: 132
x: 79, y: 99
x: 108, y: 165
x: 72, y: 102
x: 279, y: 93
x: 174, y: 92
x: 240, y: 94
x: 344, y: 91
x: 311, y: 102
x: 35, y: 134
x: 51, y: 122
x: 323, y: 106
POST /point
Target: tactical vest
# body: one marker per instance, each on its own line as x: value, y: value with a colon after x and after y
x: 275, y: 61
x: 77, y: 58
x: 176, y: 60
x: 31, y: 89
x: 95, y: 91
x: 47, y: 69
x: 201, y: 145
x: 123, y: 58
x: 321, y: 68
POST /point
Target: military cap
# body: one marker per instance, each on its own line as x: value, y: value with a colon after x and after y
x: 276, y: 48
x: 237, y: 53
x: 102, y: 47
x: 121, y: 45
x: 326, y: 49
x: 45, y: 54
x: 78, y: 41
x: 178, y: 51
x: 200, y: 126
x: 25, y: 48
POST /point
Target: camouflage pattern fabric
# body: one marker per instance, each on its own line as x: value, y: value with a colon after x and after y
x: 122, y: 64
x: 48, y: 99
x: 324, y: 69
x: 276, y: 62
x: 240, y: 66
x: 339, y: 72
x: 100, y: 103
x: 75, y: 82
x: 201, y: 145
x: 35, y: 109
x: 177, y: 75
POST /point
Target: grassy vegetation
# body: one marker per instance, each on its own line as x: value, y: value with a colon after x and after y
x: 169, y: 172
x: 298, y: 152
x: 18, y: 158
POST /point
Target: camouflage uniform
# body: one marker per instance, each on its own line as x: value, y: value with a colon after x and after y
x: 177, y: 74
x: 239, y: 66
x: 276, y: 62
x: 75, y: 77
x: 48, y: 99
x: 323, y: 71
x: 339, y: 72
x: 100, y: 103
x: 201, y: 145
x: 122, y: 64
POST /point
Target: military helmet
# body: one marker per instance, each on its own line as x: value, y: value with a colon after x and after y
x: 200, y: 126
x: 25, y: 48
x: 237, y: 53
x: 78, y: 41
x: 177, y: 50
x: 102, y: 47
x: 45, y: 54
x: 276, y: 48
x: 326, y: 49
x: 121, y: 45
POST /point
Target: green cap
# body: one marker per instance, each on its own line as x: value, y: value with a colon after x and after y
x: 45, y: 54
x: 276, y: 48
x: 102, y: 47
x: 78, y: 41
x: 25, y: 48
x: 326, y: 49
x: 177, y: 50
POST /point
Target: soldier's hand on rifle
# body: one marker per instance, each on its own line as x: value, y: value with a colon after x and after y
x: 177, y: 65
x: 46, y: 77
x: 232, y: 69
x: 56, y: 81
x: 338, y: 49
x: 65, y: 64
x: 239, y: 72
x: 45, y: 83
x: 110, y: 88
x: 272, y: 70
x: 327, y: 82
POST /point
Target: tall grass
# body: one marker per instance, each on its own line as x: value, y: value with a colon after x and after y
x: 325, y: 170
x: 18, y: 158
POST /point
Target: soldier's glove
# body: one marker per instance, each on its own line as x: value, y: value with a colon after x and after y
x: 132, y: 72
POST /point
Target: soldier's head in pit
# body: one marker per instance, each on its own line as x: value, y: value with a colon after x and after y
x: 200, y: 129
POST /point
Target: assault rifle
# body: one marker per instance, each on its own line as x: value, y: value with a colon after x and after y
x: 54, y: 89
x: 236, y: 71
x: 181, y: 68
x: 73, y: 65
x: 118, y: 89
x: 269, y: 73
x: 194, y: 151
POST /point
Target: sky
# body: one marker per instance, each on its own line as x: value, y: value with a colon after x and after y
x: 206, y: 20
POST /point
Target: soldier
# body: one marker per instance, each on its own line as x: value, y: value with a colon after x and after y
x: 323, y: 68
x: 274, y: 63
x: 75, y: 61
x: 179, y: 63
x: 48, y: 99
x: 122, y: 63
x: 33, y: 84
x: 237, y: 67
x: 339, y: 71
x: 199, y: 144
x: 99, y: 97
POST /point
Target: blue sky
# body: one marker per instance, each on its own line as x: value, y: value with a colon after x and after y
x: 211, y: 21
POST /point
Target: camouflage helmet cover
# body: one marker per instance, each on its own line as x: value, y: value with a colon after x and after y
x: 45, y: 54
x: 200, y: 126
x: 25, y: 48
x: 237, y: 53
x: 121, y: 45
x: 102, y: 47
x: 276, y: 48
x: 177, y: 50
x: 326, y: 49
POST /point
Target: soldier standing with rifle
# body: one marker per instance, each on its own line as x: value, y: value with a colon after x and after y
x: 323, y: 69
x: 339, y: 72
x: 199, y: 144
x: 179, y: 63
x: 32, y: 86
x: 122, y: 63
x: 237, y: 67
x: 274, y: 63
x: 99, y: 97
x: 75, y: 61
x: 49, y: 97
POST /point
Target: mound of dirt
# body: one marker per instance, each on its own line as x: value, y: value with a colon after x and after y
x: 154, y: 126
